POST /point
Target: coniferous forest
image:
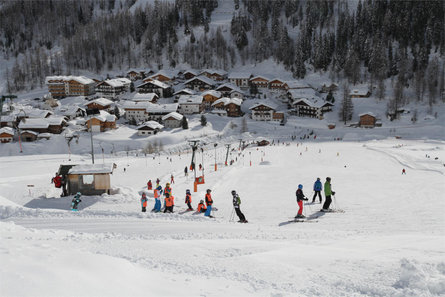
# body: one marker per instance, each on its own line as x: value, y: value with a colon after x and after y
x: 369, y: 42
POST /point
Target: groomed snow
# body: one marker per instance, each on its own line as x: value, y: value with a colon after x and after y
x: 389, y: 242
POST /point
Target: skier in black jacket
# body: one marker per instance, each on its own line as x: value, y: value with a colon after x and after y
x: 236, y: 204
x: 76, y: 200
x: 300, y: 198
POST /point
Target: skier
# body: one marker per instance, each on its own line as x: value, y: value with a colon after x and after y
x: 149, y: 185
x: 201, y: 206
x: 169, y: 203
x: 167, y: 190
x: 172, y: 179
x: 209, y: 202
x: 76, y: 200
x: 188, y: 199
x: 236, y: 204
x: 157, y: 195
x: 57, y: 181
x: 300, y: 198
x: 327, y: 192
x: 186, y: 171
x: 144, y: 202
x: 157, y: 181
x: 317, y: 189
x: 403, y: 171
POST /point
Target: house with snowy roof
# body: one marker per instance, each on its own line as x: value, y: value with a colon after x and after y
x: 263, y: 111
x: 155, y: 86
x: 172, y: 120
x: 165, y: 76
x: 28, y: 135
x: 110, y: 88
x: 101, y: 122
x: 53, y: 125
x: 99, y: 104
x: 89, y: 179
x: 360, y: 92
x: 260, y: 81
x: 310, y: 107
x: 190, y: 104
x: 232, y: 106
x: 146, y: 97
x: 6, y: 134
x: 327, y: 87
x: 189, y: 74
x: 277, y: 84
x: 216, y: 75
x: 200, y: 83
x: 296, y: 85
x: 240, y: 79
x: 149, y: 128
x: 7, y: 120
x: 71, y: 111
x: 368, y: 120
x: 209, y: 97
x: 64, y: 86
x: 184, y: 91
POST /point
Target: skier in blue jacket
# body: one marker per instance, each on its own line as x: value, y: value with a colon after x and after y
x: 317, y: 189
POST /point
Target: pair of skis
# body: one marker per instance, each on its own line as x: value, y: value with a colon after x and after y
x: 314, y: 219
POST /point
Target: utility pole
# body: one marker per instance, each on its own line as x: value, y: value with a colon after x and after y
x: 92, y: 147
x: 216, y: 167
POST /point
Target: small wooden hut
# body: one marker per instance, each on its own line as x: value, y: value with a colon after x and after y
x: 89, y: 179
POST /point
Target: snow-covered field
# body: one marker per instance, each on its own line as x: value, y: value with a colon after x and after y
x: 389, y: 242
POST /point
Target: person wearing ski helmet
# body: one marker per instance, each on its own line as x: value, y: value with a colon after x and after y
x: 75, y: 202
x: 201, y: 206
x: 236, y: 201
x: 327, y: 192
x: 169, y: 203
x: 209, y: 203
x: 188, y: 199
x: 317, y: 189
x: 157, y: 194
x: 300, y: 199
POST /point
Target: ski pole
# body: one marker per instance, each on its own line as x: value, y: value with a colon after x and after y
x: 335, y: 202
x: 232, y: 215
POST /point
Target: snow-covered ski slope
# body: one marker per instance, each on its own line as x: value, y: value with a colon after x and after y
x: 389, y: 242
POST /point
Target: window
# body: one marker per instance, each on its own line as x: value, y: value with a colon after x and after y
x: 88, y: 179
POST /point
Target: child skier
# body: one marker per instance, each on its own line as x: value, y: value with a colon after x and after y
x: 188, y: 199
x: 169, y: 203
x: 201, y: 206
x: 76, y: 200
x: 144, y: 202
x: 327, y: 192
x: 317, y: 189
x: 167, y: 190
x: 300, y: 198
x: 149, y: 185
x: 236, y: 204
x: 157, y: 195
x: 209, y: 202
x: 172, y: 179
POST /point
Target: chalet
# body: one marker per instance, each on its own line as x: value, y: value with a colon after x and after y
x: 111, y: 88
x: 149, y: 128
x: 261, y: 141
x: 232, y: 106
x: 6, y: 134
x: 367, y: 120
x: 7, y: 121
x: 163, y: 90
x: 147, y: 97
x: 303, y: 93
x: 135, y: 75
x: 145, y: 111
x: 33, y: 113
x: 217, y: 75
x: 71, y: 112
x: 101, y: 122
x: 53, y: 125
x: 360, y: 93
x: 209, y: 97
x: 240, y: 79
x: 311, y: 108
x: 262, y: 112
x: 200, y: 83
x: 261, y: 82
x: 64, y: 86
x: 237, y: 94
x: 100, y: 104
x: 189, y: 74
x: 183, y: 92
x: 277, y: 84
x: 172, y: 120
x: 295, y: 85
x: 165, y: 76
x: 89, y: 179
x: 190, y: 104
x: 28, y: 136
x: 329, y: 87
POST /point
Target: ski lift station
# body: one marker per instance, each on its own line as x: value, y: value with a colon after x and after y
x: 88, y: 179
